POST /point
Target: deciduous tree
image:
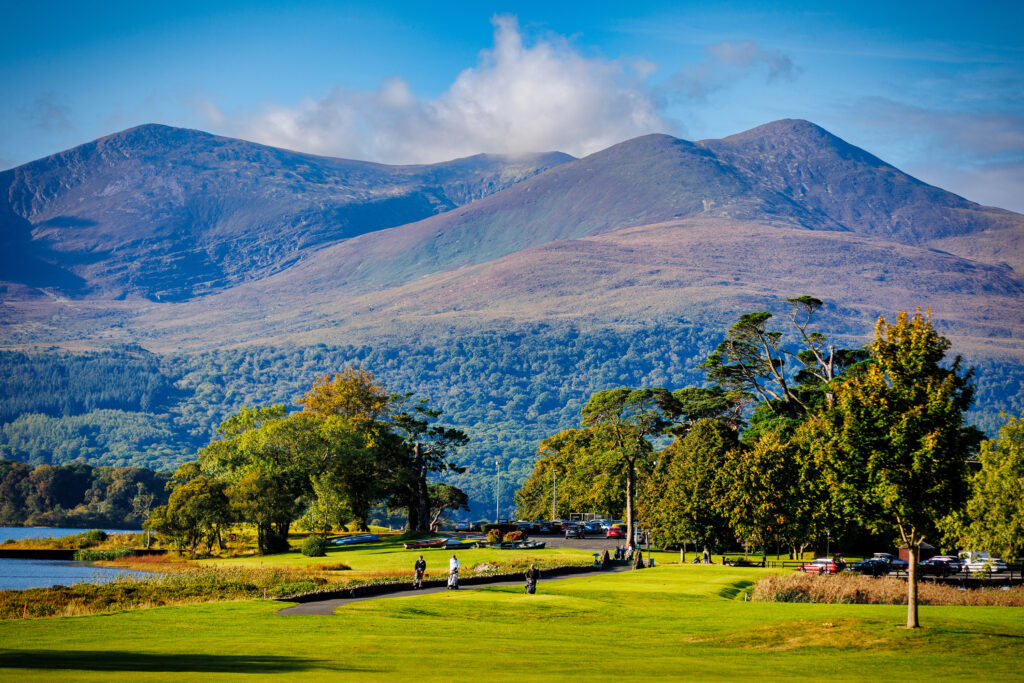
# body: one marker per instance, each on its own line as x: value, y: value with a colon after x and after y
x: 892, y: 446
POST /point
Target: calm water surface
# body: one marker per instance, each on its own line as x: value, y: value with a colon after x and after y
x: 19, y: 574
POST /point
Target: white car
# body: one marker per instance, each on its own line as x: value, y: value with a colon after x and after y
x: 980, y: 561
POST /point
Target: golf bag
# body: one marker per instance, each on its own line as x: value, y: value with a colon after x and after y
x: 453, y: 581
x: 418, y: 581
x: 531, y: 587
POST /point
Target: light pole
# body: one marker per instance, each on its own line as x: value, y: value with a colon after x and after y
x: 554, y: 514
x: 828, y: 541
x: 497, y: 491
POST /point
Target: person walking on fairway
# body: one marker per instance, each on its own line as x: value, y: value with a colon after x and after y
x: 532, y: 575
x: 453, y: 573
x: 420, y: 567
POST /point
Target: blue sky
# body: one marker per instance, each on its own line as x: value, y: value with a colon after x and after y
x: 935, y: 88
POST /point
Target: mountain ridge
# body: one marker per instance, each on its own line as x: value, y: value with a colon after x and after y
x: 170, y: 213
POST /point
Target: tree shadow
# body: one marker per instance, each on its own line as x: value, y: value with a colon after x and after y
x: 107, y: 660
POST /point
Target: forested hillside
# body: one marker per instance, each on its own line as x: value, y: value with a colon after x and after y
x: 78, y: 495
x: 507, y: 389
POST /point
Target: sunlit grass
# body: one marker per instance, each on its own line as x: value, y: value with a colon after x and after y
x: 670, y: 622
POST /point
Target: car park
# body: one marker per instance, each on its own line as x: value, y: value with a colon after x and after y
x: 821, y: 565
x: 940, y: 565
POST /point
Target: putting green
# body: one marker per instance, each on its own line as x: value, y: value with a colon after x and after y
x: 669, y: 622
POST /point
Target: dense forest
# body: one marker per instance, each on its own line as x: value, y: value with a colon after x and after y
x: 78, y: 495
x: 507, y: 389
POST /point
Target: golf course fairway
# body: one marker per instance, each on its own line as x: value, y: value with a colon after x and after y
x: 669, y: 622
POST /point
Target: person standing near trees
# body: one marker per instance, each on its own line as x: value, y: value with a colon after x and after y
x: 453, y: 573
x: 420, y: 567
x: 532, y: 576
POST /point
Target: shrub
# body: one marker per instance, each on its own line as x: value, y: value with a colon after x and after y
x: 503, y: 528
x: 494, y: 536
x: 314, y: 546
x: 514, y: 537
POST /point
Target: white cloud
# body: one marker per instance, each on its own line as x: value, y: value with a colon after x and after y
x: 518, y: 98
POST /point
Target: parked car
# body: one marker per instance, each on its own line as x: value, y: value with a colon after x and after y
x: 875, y: 566
x: 574, y: 531
x: 895, y: 563
x: 541, y: 527
x: 463, y: 526
x: 615, y: 532
x: 821, y: 565
x: 978, y: 561
x: 603, y: 524
x: 592, y: 528
x: 940, y: 565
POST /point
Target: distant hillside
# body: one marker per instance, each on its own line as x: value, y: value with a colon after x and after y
x: 168, y: 214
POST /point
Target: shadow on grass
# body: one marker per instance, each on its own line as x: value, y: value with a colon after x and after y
x: 735, y: 588
x: 103, y: 660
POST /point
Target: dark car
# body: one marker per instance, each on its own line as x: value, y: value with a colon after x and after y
x: 895, y: 563
x: 875, y: 566
x: 940, y: 565
x: 574, y: 531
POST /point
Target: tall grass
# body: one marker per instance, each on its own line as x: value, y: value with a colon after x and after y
x: 98, y: 554
x: 864, y: 590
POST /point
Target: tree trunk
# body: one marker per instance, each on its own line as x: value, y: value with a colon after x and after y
x: 630, y: 494
x: 413, y: 518
x: 912, y: 586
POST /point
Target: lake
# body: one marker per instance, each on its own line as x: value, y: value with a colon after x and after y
x: 19, y: 574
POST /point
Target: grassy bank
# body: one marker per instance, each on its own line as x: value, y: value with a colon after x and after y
x: 663, y: 623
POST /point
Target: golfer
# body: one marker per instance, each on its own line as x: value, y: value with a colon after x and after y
x: 453, y: 573
x: 532, y: 575
x: 420, y: 567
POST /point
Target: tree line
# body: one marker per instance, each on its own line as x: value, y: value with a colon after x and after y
x: 794, y: 440
x: 353, y: 446
x: 78, y: 495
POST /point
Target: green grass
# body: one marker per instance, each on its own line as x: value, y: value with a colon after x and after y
x: 665, y: 623
x: 389, y: 557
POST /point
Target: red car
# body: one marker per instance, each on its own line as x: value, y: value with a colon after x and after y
x: 615, y: 532
x: 822, y: 565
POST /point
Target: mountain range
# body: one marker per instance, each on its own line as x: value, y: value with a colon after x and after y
x: 181, y: 239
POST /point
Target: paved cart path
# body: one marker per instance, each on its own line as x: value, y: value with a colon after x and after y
x: 327, y: 607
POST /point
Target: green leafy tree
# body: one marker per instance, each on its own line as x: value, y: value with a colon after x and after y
x: 995, y: 511
x: 196, y: 511
x: 267, y: 458
x: 755, y: 360
x: 892, y: 446
x: 444, y: 500
x: 624, y: 420
x: 575, y: 466
x: 680, y: 501
x: 761, y: 490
